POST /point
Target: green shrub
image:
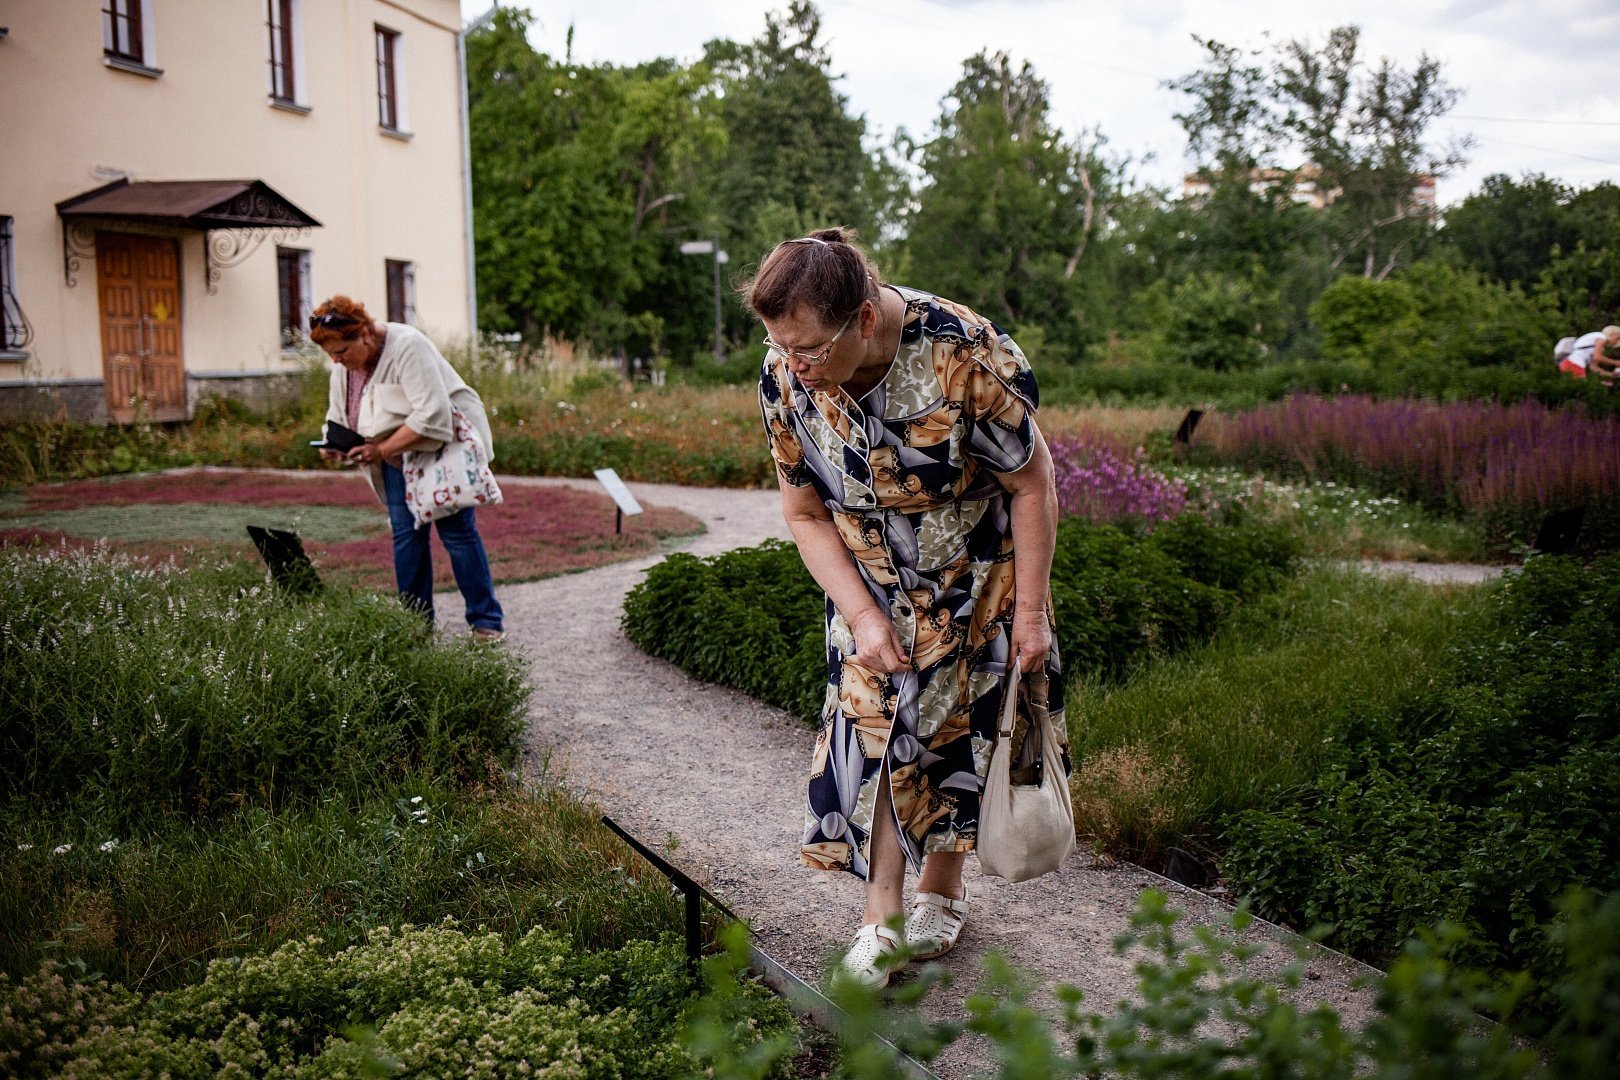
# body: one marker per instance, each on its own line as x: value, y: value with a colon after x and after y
x: 132, y: 689
x: 1368, y: 322
x: 1119, y: 599
x: 1220, y: 322
x: 429, y: 1001
x: 750, y: 618
x: 1478, y: 802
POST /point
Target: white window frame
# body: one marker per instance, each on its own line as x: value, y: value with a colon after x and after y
x: 408, y: 277
x: 147, y: 63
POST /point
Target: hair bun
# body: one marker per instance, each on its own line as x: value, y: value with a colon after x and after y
x: 834, y: 236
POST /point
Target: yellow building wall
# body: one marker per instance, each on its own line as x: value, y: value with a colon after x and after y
x: 69, y: 123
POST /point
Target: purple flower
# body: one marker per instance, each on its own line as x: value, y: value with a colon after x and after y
x: 1095, y: 483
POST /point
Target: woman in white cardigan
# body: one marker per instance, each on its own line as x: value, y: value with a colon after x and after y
x: 395, y: 388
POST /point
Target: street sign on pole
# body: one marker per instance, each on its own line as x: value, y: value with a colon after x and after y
x: 712, y: 247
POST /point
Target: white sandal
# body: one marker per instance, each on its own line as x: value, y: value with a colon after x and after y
x: 869, y: 960
x: 935, y: 924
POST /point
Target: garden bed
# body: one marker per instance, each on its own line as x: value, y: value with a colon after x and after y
x: 197, y: 517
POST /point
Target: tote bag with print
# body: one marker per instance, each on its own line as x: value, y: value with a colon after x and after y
x: 446, y: 481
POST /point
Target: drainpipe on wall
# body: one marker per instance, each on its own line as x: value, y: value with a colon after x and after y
x: 467, y: 202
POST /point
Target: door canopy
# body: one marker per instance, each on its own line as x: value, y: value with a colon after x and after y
x: 235, y: 216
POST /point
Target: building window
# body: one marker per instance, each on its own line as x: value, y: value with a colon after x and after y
x: 18, y: 333
x: 389, y: 113
x: 281, y: 19
x: 122, y: 34
x: 401, y: 291
x: 292, y: 276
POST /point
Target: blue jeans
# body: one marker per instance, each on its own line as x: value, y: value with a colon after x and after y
x: 413, y: 558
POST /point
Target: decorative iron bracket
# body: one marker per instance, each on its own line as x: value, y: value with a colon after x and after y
x: 78, y: 247
x: 224, y: 249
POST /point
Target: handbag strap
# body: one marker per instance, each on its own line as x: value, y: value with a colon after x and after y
x: 1009, y: 704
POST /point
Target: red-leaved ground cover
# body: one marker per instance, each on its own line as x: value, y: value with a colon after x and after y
x: 538, y: 531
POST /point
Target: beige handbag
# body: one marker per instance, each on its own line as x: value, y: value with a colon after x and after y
x: 1025, y: 830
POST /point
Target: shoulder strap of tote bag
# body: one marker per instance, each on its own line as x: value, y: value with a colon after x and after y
x: 1009, y: 704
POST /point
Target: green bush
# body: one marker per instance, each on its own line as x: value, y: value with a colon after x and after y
x: 1478, y: 802
x: 750, y: 618
x: 1368, y: 322
x: 130, y: 689
x: 1119, y: 598
x: 1220, y: 322
x: 428, y: 1001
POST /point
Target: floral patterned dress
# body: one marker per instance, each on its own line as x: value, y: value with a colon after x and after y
x: 906, y: 472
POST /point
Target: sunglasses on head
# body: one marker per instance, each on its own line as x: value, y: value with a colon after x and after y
x: 332, y: 320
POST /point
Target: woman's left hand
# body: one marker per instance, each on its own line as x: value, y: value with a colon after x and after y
x: 365, y: 454
x: 1031, y: 638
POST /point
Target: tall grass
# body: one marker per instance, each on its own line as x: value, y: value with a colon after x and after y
x: 133, y: 689
x: 1163, y: 758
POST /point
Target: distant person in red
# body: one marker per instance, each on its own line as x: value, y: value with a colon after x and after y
x: 1597, y: 353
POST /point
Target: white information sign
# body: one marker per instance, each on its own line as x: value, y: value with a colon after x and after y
x: 621, y: 494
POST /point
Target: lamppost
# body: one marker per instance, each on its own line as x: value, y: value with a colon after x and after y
x: 706, y: 247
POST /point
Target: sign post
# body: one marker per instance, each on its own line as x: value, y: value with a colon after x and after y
x: 623, y: 502
x: 708, y: 247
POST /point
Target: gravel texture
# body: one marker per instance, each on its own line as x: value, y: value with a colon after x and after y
x: 714, y: 780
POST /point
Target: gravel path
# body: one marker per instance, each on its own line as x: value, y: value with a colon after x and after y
x: 714, y: 779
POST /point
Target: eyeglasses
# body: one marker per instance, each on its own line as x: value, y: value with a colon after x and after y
x: 332, y: 320
x: 816, y: 358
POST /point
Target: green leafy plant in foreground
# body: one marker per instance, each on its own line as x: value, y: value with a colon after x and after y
x: 1197, y: 1013
x: 422, y: 1001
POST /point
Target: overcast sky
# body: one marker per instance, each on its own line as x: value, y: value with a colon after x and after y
x: 1539, y: 79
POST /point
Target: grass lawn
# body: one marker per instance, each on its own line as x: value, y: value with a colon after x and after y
x: 194, y: 518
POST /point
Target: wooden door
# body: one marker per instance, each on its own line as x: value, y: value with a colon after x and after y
x: 138, y: 278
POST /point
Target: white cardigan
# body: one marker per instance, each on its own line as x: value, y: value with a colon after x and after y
x: 414, y: 385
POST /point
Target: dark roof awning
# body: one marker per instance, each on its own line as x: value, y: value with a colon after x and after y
x: 189, y: 204
x: 236, y: 216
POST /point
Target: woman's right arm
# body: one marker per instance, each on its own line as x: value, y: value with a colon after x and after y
x: 828, y: 560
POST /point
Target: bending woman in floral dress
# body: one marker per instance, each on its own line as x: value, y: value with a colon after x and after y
x: 919, y: 491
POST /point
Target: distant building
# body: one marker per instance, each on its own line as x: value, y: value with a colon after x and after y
x: 181, y: 181
x: 1303, y: 186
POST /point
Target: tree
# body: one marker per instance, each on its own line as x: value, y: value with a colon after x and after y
x: 1365, y: 130
x: 576, y: 172
x: 1009, y: 206
x: 794, y: 159
x: 1357, y: 132
x: 1509, y: 229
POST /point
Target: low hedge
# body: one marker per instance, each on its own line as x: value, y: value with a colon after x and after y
x: 1479, y: 802
x: 753, y: 618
